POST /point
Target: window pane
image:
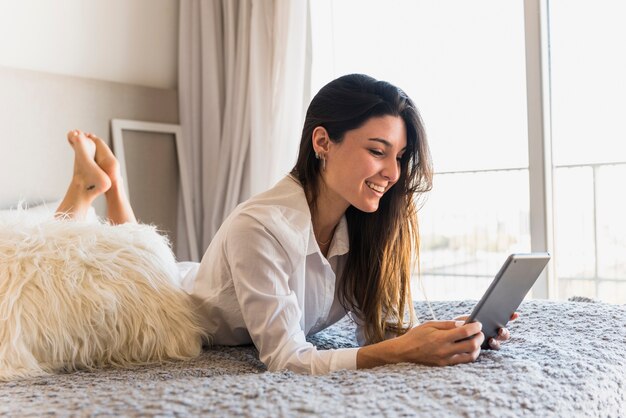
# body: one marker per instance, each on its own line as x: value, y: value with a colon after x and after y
x: 469, y: 225
x: 574, y: 222
x: 573, y: 287
x: 589, y: 212
x: 612, y: 291
x: 588, y: 98
x: 450, y: 287
x: 611, y: 209
x: 588, y: 64
x: 469, y: 85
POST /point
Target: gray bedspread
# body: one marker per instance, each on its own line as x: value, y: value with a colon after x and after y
x: 564, y: 359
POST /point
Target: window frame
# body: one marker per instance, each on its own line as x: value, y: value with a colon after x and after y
x: 537, y: 41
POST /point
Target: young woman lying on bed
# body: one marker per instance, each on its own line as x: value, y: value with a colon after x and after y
x: 337, y: 235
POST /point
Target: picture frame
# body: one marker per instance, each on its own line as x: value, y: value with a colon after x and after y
x: 118, y: 126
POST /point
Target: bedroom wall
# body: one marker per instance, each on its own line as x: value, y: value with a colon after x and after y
x: 68, y: 64
x: 133, y: 42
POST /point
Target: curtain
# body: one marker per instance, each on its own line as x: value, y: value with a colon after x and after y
x: 242, y: 82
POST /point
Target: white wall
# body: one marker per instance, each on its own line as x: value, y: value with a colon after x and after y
x: 128, y: 41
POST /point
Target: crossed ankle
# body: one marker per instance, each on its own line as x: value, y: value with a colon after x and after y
x: 117, y: 186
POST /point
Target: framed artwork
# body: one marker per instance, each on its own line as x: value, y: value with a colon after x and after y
x: 146, y: 151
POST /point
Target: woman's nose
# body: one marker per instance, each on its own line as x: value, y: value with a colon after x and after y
x: 391, y: 171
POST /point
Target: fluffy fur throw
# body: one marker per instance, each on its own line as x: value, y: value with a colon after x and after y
x: 83, y: 295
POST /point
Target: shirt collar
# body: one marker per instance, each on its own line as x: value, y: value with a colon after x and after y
x: 340, y: 244
x: 293, y: 196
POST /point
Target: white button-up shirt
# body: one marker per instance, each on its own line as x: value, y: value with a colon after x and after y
x: 264, y: 280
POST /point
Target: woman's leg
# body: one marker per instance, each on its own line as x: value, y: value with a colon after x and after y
x: 119, y: 210
x: 88, y: 180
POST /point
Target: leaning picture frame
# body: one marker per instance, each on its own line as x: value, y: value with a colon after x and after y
x: 118, y: 126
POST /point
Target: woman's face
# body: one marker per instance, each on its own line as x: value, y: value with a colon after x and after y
x: 363, y: 167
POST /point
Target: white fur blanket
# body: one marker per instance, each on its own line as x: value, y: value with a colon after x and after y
x: 77, y: 295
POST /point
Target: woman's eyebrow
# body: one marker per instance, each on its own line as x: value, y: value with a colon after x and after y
x: 384, y: 142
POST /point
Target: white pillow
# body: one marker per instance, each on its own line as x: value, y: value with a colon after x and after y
x: 45, y: 209
x: 82, y: 295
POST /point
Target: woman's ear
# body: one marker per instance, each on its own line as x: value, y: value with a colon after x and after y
x: 321, y: 141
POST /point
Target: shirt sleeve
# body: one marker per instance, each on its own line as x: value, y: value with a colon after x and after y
x: 261, y: 269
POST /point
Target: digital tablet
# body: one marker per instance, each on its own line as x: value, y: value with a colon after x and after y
x: 507, y: 291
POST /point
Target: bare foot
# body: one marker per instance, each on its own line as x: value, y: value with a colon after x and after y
x: 88, y: 180
x: 106, y: 159
x: 88, y: 176
x: 119, y: 210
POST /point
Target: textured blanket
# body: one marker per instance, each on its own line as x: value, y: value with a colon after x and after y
x: 565, y: 359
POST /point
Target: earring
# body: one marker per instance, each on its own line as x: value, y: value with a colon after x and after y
x: 319, y: 156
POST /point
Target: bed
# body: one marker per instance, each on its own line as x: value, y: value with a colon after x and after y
x: 565, y: 359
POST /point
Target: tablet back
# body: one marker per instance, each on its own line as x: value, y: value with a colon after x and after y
x: 506, y: 292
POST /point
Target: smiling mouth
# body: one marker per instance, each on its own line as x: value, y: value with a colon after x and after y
x: 375, y: 187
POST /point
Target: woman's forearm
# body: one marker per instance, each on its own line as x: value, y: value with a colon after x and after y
x: 435, y: 343
x: 379, y: 354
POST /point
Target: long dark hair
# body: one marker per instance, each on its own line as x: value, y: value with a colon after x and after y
x: 375, y: 284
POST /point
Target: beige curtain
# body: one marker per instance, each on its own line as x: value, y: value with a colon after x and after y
x: 243, y: 68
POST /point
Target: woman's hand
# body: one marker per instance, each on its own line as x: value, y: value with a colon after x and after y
x: 441, y: 343
x: 503, y: 333
x: 435, y: 343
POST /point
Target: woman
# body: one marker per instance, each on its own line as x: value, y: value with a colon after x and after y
x: 336, y: 236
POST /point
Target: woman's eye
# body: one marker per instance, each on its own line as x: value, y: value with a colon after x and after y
x: 376, y: 152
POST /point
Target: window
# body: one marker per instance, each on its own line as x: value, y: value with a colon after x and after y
x: 588, y: 63
x: 464, y: 64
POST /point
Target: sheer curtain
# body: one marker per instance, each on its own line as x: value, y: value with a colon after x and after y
x: 243, y: 82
